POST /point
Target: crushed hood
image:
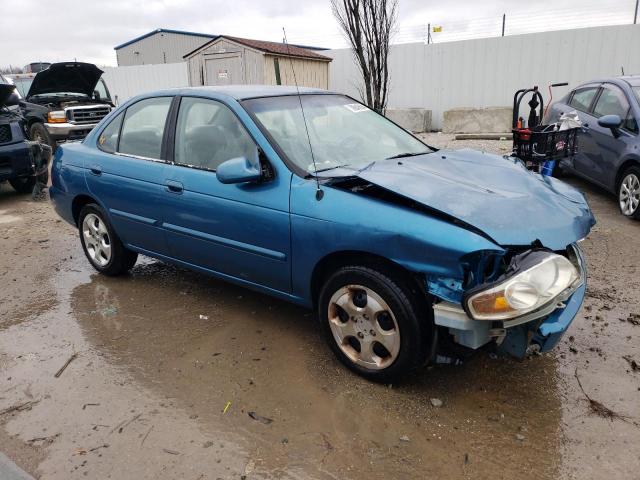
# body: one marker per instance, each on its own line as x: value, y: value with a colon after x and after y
x: 494, y: 194
x: 5, y: 93
x: 66, y: 77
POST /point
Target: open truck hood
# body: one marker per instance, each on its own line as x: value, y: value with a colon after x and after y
x: 66, y: 77
x: 5, y: 93
x: 496, y: 195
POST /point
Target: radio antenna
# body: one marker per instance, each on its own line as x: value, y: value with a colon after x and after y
x: 319, y: 192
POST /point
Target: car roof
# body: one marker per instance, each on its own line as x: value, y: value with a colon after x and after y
x: 242, y: 92
x: 633, y: 80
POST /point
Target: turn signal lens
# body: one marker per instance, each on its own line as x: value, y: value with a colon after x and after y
x: 526, y: 291
x: 56, y: 116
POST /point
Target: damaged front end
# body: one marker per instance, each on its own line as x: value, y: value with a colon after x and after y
x: 526, y: 290
x: 519, y: 300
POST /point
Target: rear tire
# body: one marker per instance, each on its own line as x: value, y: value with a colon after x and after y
x: 101, y: 244
x: 629, y: 193
x: 372, y: 323
x: 23, y: 184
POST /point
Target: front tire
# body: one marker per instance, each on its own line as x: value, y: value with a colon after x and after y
x: 38, y: 133
x: 23, y: 184
x: 372, y: 323
x: 101, y: 244
x: 629, y: 193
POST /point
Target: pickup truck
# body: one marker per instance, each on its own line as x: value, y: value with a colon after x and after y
x: 64, y: 102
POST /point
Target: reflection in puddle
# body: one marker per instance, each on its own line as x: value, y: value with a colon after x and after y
x: 207, y: 345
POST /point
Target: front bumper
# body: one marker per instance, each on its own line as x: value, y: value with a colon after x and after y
x: 543, y: 328
x: 61, y: 132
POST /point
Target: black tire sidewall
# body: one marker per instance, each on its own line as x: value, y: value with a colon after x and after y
x: 404, y: 310
x: 41, y: 129
x: 635, y: 170
x: 22, y: 186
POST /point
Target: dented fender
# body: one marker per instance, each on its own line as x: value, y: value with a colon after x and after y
x: 344, y: 222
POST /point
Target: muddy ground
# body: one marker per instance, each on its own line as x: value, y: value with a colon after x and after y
x: 168, y: 366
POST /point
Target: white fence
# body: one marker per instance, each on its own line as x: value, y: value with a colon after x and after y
x: 487, y: 72
x: 126, y: 82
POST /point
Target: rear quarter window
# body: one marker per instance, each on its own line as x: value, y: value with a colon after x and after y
x: 582, y: 98
x: 108, y: 139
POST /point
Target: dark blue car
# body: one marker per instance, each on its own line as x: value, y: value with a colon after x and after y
x: 608, y: 144
x: 401, y: 248
x: 16, y: 161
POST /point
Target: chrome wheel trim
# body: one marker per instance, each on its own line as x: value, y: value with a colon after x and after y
x: 97, y: 242
x: 629, y: 195
x: 370, y: 326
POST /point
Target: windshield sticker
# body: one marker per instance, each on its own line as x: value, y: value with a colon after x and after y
x: 356, y: 107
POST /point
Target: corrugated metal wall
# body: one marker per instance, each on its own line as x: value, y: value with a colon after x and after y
x: 162, y: 47
x: 487, y: 72
x: 126, y: 82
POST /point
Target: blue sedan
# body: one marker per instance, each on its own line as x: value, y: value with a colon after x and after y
x: 608, y: 144
x: 404, y: 250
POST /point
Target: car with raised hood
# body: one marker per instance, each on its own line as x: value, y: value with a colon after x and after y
x: 64, y: 102
x: 404, y: 250
x: 609, y: 140
x: 16, y: 154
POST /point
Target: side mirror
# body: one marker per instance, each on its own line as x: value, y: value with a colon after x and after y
x: 13, y: 100
x: 8, y: 95
x: 238, y: 170
x: 611, y: 121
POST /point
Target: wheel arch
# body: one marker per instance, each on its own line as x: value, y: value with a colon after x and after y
x: 78, y: 203
x: 333, y: 261
x: 624, y: 166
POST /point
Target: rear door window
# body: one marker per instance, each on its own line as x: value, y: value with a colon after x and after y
x: 582, y: 98
x: 143, y: 128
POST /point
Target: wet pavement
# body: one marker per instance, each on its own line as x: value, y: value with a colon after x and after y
x: 177, y: 375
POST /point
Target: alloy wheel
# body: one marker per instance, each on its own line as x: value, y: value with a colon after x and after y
x: 629, y: 195
x: 96, y: 239
x: 364, y: 327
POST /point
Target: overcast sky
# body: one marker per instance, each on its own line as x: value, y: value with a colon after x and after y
x: 44, y: 30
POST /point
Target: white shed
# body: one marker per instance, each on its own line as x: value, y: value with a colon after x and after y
x: 230, y: 60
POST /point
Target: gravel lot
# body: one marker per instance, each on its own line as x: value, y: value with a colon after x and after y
x: 177, y: 375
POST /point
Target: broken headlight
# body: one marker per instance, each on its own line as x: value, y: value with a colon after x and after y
x: 533, y: 280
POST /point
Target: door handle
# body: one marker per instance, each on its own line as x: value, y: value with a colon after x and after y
x: 173, y: 187
x: 95, y: 170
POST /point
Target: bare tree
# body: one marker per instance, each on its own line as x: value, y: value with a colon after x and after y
x: 368, y: 26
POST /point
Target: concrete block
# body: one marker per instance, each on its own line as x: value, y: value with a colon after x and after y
x: 477, y: 120
x: 416, y: 120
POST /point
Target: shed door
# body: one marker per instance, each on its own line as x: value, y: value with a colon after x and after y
x: 224, y: 69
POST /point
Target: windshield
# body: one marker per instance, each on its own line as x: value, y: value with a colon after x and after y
x: 636, y: 90
x: 101, y: 88
x: 23, y: 84
x: 343, y: 132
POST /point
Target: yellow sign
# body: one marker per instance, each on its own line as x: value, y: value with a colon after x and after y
x: 437, y: 29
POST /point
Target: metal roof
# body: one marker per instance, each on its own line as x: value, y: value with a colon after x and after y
x: 164, y: 30
x: 268, y: 47
x: 195, y: 34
